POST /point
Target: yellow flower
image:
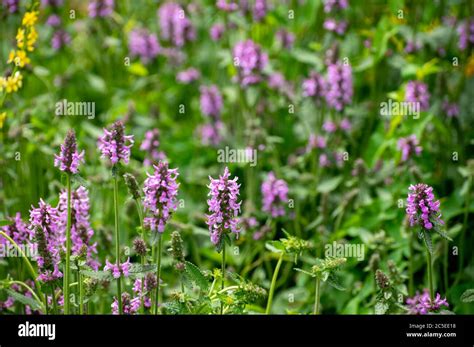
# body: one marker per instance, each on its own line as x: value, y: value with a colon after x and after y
x: 19, y: 58
x: 470, y: 67
x: 20, y: 38
x: 31, y: 39
x: 2, y: 119
x: 13, y: 83
x: 11, y: 56
x: 3, y: 83
x: 30, y: 18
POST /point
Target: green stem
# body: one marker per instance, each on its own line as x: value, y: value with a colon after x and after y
x: 158, y: 271
x: 272, y: 286
x: 67, y: 270
x: 316, y: 296
x: 30, y: 268
x: 223, y: 273
x: 430, y: 274
x: 143, y: 258
x: 53, y: 297
x: 411, y: 265
x: 117, y: 244
x: 81, y: 294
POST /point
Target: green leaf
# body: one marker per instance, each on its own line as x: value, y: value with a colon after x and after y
x: 304, y: 271
x: 426, y: 237
x: 35, y: 305
x: 275, y: 246
x: 98, y: 275
x: 329, y: 185
x: 139, y: 268
x: 5, y: 222
x: 335, y: 282
x: 468, y: 296
x: 443, y: 235
x: 381, y: 307
x: 197, y: 276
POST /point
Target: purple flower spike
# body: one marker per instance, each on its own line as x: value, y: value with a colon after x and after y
x: 150, y: 145
x: 260, y: 9
x: 81, y: 231
x: 18, y: 230
x: 422, y: 208
x: 450, y: 108
x: 129, y: 305
x: 143, y: 44
x: 418, y: 92
x: 466, y: 34
x: 12, y: 5
x: 314, y: 86
x: 188, y: 76
x: 227, y: 5
x: 409, y: 146
x: 421, y: 303
x: 335, y: 5
x: 275, y: 195
x: 44, y: 223
x: 339, y: 86
x: 285, y: 38
x: 118, y: 270
x: 216, y: 31
x: 161, y: 191
x: 250, y: 62
x: 69, y: 158
x: 101, y: 8
x: 175, y: 26
x: 60, y: 39
x: 113, y: 144
x: 211, y: 101
x: 223, y: 206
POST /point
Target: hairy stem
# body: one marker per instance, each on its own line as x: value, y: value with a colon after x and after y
x: 316, y: 296
x: 430, y: 274
x: 223, y: 274
x: 117, y: 244
x: 158, y: 272
x: 67, y: 270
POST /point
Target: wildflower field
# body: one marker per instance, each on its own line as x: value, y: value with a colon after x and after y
x: 236, y: 157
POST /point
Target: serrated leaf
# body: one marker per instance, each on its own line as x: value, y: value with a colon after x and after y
x: 468, y: 296
x: 98, y: 275
x: 381, y: 307
x: 335, y: 282
x: 35, y: 305
x: 196, y: 276
x: 139, y: 268
x: 426, y: 237
x: 443, y: 235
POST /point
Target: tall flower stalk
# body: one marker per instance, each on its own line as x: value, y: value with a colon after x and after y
x: 223, y: 218
x: 113, y: 145
x: 423, y: 212
x: 161, y: 190
x: 68, y: 161
x: 139, y: 244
